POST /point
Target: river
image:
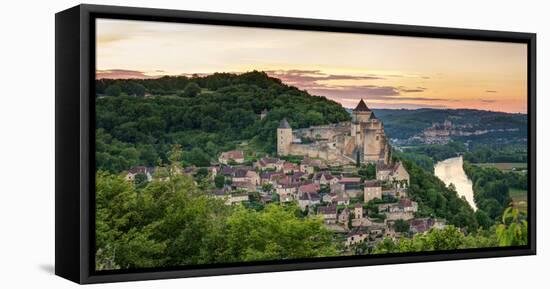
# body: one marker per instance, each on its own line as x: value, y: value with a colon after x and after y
x: 451, y: 171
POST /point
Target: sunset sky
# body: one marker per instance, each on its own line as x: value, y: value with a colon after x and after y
x: 387, y: 71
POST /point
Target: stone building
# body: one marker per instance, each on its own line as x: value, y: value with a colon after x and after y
x: 363, y: 139
x: 394, y: 173
x: 372, y: 190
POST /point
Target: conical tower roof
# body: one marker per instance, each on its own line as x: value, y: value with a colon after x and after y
x: 362, y: 106
x: 284, y: 123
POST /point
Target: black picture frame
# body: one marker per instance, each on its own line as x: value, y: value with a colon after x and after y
x: 75, y: 151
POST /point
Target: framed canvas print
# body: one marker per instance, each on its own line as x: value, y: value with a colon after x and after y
x: 193, y: 144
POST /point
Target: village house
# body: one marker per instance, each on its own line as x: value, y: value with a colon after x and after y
x: 243, y: 186
x: 227, y: 172
x: 352, y: 185
x: 393, y: 173
x: 133, y: 172
x: 239, y: 175
x: 220, y: 193
x: 421, y: 225
x: 325, y: 178
x: 356, y: 236
x: 343, y: 217
x: 404, y: 209
x: 361, y: 222
x: 242, y: 175
x: 235, y: 155
x: 307, y: 200
x: 342, y: 199
x: 279, y: 165
x: 270, y: 177
x: 283, y: 180
x: 330, y: 197
x: 337, y: 188
x: 372, y: 190
x: 266, y: 163
x: 329, y: 213
x: 408, y: 205
x: 308, y: 188
x: 237, y: 198
x: 298, y: 177
x: 358, y: 211
x: 309, y: 165
x: 266, y: 198
x: 253, y: 178
x: 376, y: 232
x: 289, y: 168
x: 287, y: 192
x: 286, y: 197
x: 395, y: 192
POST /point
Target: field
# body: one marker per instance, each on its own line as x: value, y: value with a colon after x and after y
x: 519, y: 198
x: 506, y: 167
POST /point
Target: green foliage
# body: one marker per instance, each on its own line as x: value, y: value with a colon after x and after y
x: 437, y: 200
x: 191, y: 90
x: 422, y: 160
x: 449, y: 238
x: 273, y: 234
x: 492, y: 188
x: 367, y: 172
x: 497, y: 153
x: 219, y: 181
x: 140, y: 130
x: 401, y: 226
x: 483, y: 219
x: 437, y: 152
x: 140, y: 181
x: 172, y: 222
x: 113, y: 90
x: 513, y: 230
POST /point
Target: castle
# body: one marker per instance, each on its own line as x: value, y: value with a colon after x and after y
x: 361, y: 140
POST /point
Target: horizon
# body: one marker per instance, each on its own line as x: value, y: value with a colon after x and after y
x: 390, y: 72
x: 345, y: 107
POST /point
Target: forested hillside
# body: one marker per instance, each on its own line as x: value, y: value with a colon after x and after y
x: 404, y: 123
x: 138, y: 121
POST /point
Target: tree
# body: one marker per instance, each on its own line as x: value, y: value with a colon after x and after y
x: 197, y: 157
x: 191, y: 90
x: 219, y: 181
x: 201, y: 174
x: 483, y: 219
x: 367, y: 172
x: 513, y: 230
x: 273, y: 233
x: 140, y: 181
x: 113, y: 90
x: 401, y: 226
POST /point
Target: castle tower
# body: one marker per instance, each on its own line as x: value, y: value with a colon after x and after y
x: 284, y: 138
x: 359, y: 118
x: 375, y: 140
x: 361, y: 113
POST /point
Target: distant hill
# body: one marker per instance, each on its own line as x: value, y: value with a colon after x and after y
x: 403, y: 123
